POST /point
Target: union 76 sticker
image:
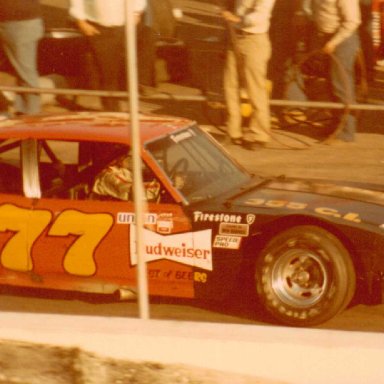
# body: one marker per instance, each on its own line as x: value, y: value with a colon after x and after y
x: 190, y: 248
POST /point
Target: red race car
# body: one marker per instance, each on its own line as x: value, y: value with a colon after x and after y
x: 67, y: 219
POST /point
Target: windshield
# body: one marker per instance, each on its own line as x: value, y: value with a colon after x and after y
x: 197, y: 167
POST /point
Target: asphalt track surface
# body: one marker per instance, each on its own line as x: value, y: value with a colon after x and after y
x: 359, y: 317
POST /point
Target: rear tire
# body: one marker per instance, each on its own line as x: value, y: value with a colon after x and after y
x: 305, y: 276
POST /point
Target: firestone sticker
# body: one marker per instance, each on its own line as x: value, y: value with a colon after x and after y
x: 251, y: 218
x: 191, y: 248
x: 216, y: 217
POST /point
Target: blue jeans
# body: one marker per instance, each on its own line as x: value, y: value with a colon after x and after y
x: 20, y: 42
x: 343, y: 81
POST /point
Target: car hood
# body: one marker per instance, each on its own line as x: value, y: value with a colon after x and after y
x: 369, y: 193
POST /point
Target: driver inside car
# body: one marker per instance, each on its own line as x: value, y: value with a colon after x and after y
x: 179, y: 180
x: 116, y: 181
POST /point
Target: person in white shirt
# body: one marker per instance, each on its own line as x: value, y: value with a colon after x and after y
x: 103, y: 23
x: 247, y: 60
x: 105, y: 13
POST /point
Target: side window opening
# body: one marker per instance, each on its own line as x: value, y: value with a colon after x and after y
x: 79, y: 171
x: 67, y: 169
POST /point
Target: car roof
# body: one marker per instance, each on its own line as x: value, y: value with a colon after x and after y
x: 89, y: 126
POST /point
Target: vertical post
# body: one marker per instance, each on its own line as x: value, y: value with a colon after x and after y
x: 139, y: 199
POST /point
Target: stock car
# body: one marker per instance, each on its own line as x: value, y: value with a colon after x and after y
x: 304, y: 248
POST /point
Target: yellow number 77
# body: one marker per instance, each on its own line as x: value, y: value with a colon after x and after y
x: 29, y: 224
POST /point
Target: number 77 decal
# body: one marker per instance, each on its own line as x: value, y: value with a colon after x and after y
x: 91, y: 229
x: 29, y: 224
x: 16, y: 254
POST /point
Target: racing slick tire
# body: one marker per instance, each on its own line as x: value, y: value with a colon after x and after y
x: 304, y: 276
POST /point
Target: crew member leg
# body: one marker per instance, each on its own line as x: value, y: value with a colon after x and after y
x: 108, y: 51
x: 232, y: 96
x: 256, y: 51
x: 20, y: 41
x: 343, y: 81
x: 146, y: 55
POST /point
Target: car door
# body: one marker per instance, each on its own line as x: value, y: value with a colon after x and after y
x: 89, y: 244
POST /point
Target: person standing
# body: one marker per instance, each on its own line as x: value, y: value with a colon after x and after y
x: 377, y: 17
x: 283, y: 39
x: 246, y: 65
x: 21, y: 28
x: 103, y: 23
x: 366, y: 36
x: 337, y: 23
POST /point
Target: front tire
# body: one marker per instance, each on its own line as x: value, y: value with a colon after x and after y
x: 305, y: 276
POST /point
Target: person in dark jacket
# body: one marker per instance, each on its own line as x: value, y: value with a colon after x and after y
x: 283, y: 40
x: 103, y: 23
x: 21, y: 28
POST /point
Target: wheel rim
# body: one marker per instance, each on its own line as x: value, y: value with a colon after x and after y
x: 300, y: 277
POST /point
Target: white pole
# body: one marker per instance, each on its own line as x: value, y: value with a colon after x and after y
x: 133, y: 99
